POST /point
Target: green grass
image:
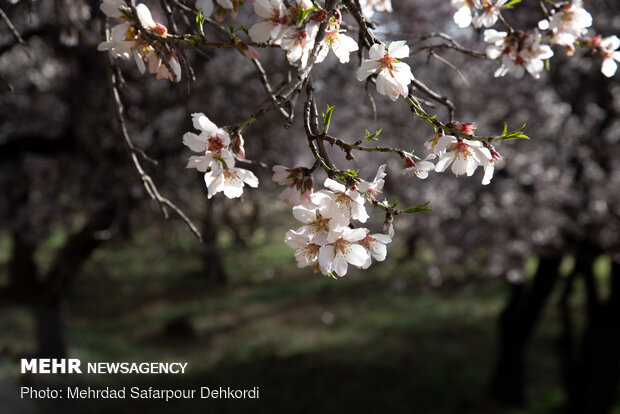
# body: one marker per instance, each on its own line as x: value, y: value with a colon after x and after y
x: 378, y: 340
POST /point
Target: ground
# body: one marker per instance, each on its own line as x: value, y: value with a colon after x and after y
x: 374, y: 340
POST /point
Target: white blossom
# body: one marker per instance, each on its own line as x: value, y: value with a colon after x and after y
x: 298, y: 43
x: 229, y: 180
x: 335, y: 40
x: 375, y: 244
x: 609, y: 45
x: 320, y: 229
x: 464, y: 155
x: 420, y: 168
x: 568, y: 24
x: 344, y: 250
x: 489, y: 169
x: 465, y: 9
x: 340, y: 202
x: 279, y: 19
x: 306, y: 252
x: 112, y: 8
x: 374, y: 188
x: 489, y: 14
x: 118, y: 46
x: 159, y: 68
x: 394, y: 76
x: 518, y: 53
x: 299, y: 185
x: 370, y: 6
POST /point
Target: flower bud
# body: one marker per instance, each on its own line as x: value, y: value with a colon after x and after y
x: 237, y: 146
x: 464, y: 127
x: 409, y: 162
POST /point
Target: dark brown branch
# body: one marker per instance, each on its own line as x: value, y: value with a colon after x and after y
x: 147, y: 181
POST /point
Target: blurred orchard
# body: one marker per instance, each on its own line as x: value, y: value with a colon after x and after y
x: 350, y: 132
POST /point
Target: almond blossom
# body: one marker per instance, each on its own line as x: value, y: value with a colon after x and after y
x: 463, y: 16
x: 374, y: 188
x: 608, y: 47
x: 279, y: 20
x: 229, y: 180
x: 298, y: 43
x: 335, y: 39
x: 464, y: 155
x: 344, y: 250
x: 340, y: 202
x: 126, y: 42
x: 218, y: 162
x: 213, y: 141
x: 112, y: 8
x: 490, y: 13
x: 299, y: 185
x: 306, y: 252
x: 519, y: 52
x: 375, y: 244
x: 489, y: 169
x: 569, y: 23
x: 419, y: 168
x: 393, y: 76
x: 319, y: 228
x: 370, y: 6
x: 156, y: 66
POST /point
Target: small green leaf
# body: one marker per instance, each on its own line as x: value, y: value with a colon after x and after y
x: 200, y: 18
x: 511, y: 4
x: 417, y: 209
x: 327, y: 117
x: 374, y: 135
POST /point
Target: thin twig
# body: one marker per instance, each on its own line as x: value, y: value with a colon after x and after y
x: 147, y: 181
x: 14, y: 30
x: 451, y: 65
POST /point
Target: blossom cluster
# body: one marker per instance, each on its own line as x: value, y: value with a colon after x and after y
x: 295, y: 29
x: 328, y: 239
x: 127, y: 41
x: 464, y: 155
x: 525, y: 51
x: 218, y: 161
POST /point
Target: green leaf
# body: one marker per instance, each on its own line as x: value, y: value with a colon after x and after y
x: 351, y: 173
x: 373, y: 136
x: 511, y: 4
x: 327, y: 117
x: 417, y: 209
x: 200, y: 19
x: 304, y: 13
x: 505, y: 129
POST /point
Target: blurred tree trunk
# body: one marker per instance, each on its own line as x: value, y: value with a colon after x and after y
x: 44, y: 294
x: 211, y: 255
x: 591, y: 371
x: 516, y: 324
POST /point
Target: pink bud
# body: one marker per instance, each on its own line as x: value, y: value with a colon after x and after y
x: 246, y: 50
x: 238, y: 147
x: 409, y: 163
x: 464, y: 127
